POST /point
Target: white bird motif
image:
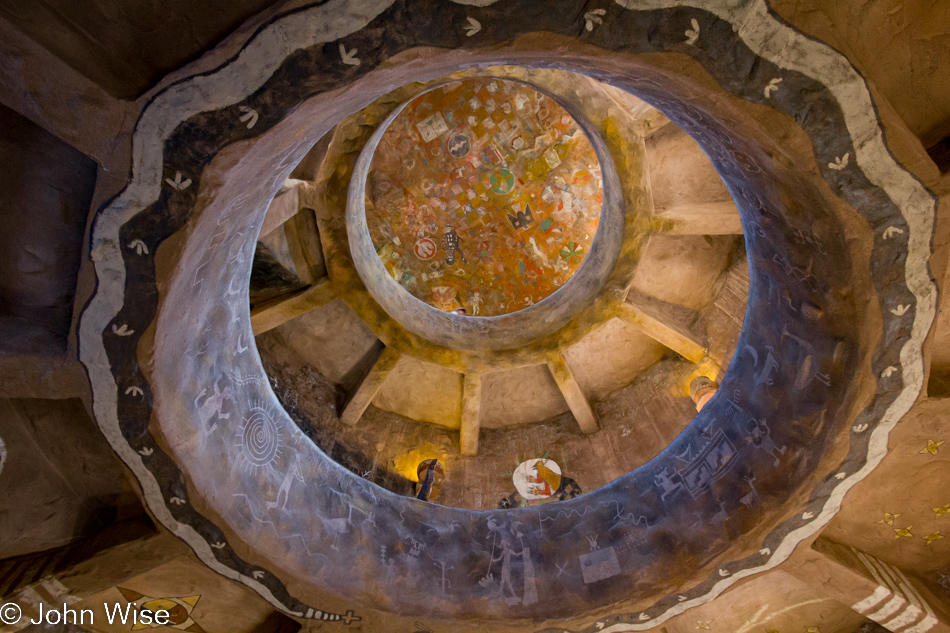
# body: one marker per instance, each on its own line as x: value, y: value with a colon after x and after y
x: 594, y: 17
x: 808, y: 516
x: 859, y: 428
x: 723, y: 573
x: 841, y: 476
x: 218, y: 545
x: 644, y: 617
x: 122, y: 331
x: 692, y: 34
x: 349, y: 57
x: 258, y: 575
x: 900, y: 310
x: 139, y: 247
x: 134, y: 391
x: 681, y: 598
x: 765, y: 551
x: 772, y: 87
x: 178, y: 184
x: 473, y: 27
x: 178, y: 501
x: 599, y: 625
x: 888, y: 371
x: 841, y: 162
x: 145, y: 452
x: 891, y: 231
x: 249, y: 116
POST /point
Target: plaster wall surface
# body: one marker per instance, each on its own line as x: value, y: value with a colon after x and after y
x: 520, y: 396
x: 127, y: 48
x: 611, y: 357
x: 425, y: 391
x: 684, y: 269
x: 901, y: 47
x: 331, y: 339
x: 45, y: 190
x: 680, y: 172
x: 61, y: 481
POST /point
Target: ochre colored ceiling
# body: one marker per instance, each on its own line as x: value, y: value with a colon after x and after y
x: 483, y: 194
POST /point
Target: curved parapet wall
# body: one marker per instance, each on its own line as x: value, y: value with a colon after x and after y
x: 803, y: 413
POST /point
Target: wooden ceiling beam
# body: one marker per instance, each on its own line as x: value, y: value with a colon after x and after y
x: 284, y: 308
x: 702, y: 218
x: 370, y: 386
x: 573, y: 394
x: 655, y: 319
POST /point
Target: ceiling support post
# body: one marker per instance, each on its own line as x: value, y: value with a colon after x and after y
x: 471, y: 414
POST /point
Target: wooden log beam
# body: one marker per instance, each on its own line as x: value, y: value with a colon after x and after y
x: 471, y: 414
x: 40, y: 86
x: 282, y: 309
x: 283, y: 207
x: 655, y: 319
x: 370, y: 386
x: 877, y: 590
x: 708, y: 218
x: 573, y: 394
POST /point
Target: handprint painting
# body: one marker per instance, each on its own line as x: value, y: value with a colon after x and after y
x: 483, y: 194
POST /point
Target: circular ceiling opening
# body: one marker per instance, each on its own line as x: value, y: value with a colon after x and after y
x: 485, y: 195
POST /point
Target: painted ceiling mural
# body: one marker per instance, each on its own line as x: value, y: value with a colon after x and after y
x: 483, y: 194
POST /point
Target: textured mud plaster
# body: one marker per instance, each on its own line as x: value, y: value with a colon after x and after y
x: 313, y: 549
x: 611, y: 357
x: 423, y: 391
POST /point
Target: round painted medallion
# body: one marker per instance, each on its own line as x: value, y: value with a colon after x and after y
x: 483, y: 194
x: 537, y: 478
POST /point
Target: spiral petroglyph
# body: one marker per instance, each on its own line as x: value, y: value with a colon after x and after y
x: 259, y: 438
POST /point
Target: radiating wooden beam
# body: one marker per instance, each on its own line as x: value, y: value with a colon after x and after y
x: 303, y: 243
x: 471, y: 414
x: 573, y: 394
x: 709, y: 218
x: 875, y: 589
x: 40, y: 86
x: 655, y: 319
x: 282, y: 309
x: 370, y: 386
x: 283, y: 207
